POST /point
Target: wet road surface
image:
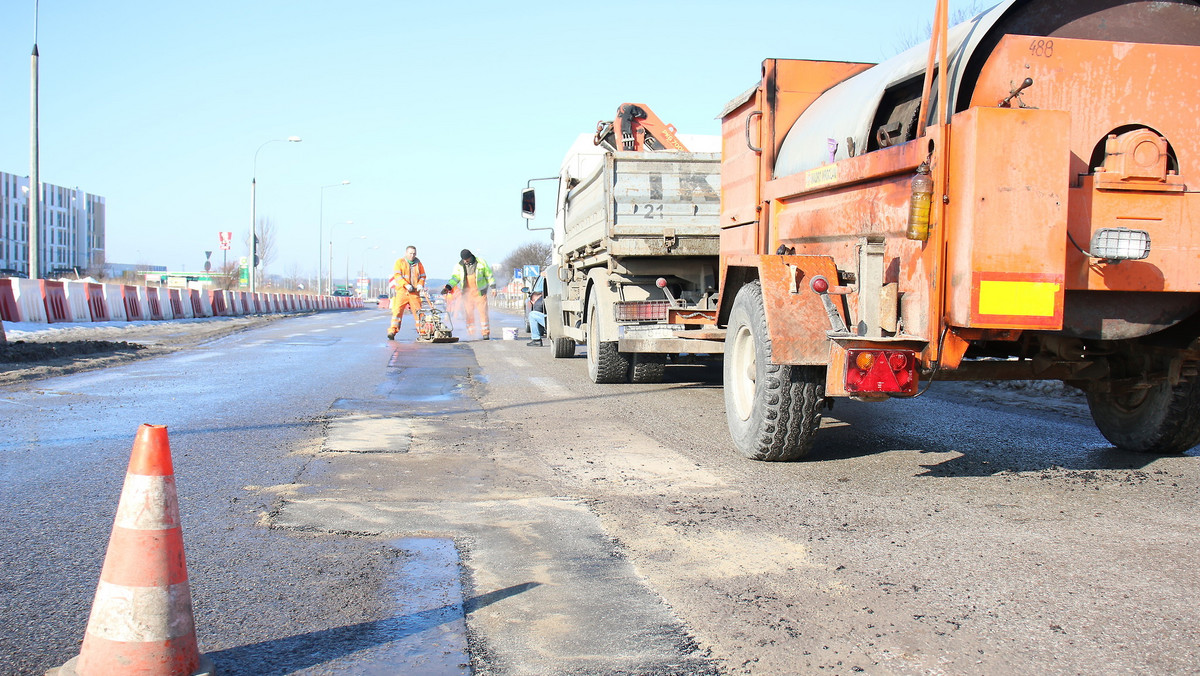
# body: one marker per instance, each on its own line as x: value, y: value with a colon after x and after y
x: 245, y: 414
x: 352, y: 505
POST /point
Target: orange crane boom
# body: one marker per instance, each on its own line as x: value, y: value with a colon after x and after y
x: 640, y: 130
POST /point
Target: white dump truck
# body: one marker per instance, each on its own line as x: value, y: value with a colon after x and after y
x: 636, y: 243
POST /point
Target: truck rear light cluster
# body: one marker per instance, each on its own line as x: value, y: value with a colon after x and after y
x: 881, y: 371
x: 641, y: 310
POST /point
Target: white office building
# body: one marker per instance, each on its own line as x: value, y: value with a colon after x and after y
x: 70, y: 230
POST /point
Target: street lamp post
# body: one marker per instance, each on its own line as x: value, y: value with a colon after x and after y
x: 35, y: 195
x: 321, y: 232
x: 251, y: 264
x: 348, y: 257
x: 362, y: 267
x: 330, y: 271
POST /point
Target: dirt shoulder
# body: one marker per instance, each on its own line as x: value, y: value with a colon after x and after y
x: 33, y: 352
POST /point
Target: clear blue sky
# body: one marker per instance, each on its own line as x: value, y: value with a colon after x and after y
x: 437, y: 112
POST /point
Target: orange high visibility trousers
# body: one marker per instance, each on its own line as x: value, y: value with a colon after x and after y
x: 401, y: 300
x: 475, y: 307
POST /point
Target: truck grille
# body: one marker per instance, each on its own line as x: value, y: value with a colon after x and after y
x: 641, y: 310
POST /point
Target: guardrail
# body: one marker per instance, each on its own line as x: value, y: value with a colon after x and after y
x: 48, y: 301
x: 509, y: 301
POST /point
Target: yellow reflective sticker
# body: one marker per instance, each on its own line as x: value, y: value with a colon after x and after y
x: 815, y: 178
x: 1021, y: 299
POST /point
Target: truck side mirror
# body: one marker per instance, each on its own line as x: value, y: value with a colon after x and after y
x: 528, y: 204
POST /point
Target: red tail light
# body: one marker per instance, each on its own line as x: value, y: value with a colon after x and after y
x: 641, y: 310
x: 881, y: 371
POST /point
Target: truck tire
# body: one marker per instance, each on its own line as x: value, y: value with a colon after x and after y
x: 647, y: 368
x: 1162, y: 419
x: 564, y: 348
x: 606, y: 364
x: 773, y: 410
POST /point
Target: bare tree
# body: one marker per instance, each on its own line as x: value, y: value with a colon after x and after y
x: 266, y: 244
x: 533, y: 253
x: 958, y: 16
x: 228, y: 276
x: 98, y: 270
x: 293, y: 279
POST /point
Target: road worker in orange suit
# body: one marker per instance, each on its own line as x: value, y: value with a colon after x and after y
x: 408, y: 278
x: 473, y: 276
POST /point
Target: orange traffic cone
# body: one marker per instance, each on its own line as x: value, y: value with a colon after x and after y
x: 141, y: 621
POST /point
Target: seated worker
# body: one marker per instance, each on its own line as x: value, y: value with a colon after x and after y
x: 537, y: 320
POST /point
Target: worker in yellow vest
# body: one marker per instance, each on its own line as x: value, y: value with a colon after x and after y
x: 473, y: 277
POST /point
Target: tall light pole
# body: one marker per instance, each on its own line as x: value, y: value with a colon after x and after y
x: 348, y: 257
x: 321, y: 232
x: 362, y: 268
x: 330, y: 271
x: 35, y: 193
x: 251, y: 264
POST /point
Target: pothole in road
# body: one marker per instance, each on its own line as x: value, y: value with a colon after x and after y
x: 364, y: 433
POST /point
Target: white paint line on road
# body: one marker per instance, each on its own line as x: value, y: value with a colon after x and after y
x: 551, y: 388
x: 92, y: 379
x: 196, y: 356
x: 15, y: 403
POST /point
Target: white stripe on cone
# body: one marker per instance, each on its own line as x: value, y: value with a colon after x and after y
x: 141, y: 614
x: 148, y: 503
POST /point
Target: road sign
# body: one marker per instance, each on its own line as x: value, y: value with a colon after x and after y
x: 226, y: 238
x: 532, y: 271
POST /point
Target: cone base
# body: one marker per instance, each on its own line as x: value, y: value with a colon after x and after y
x: 206, y: 668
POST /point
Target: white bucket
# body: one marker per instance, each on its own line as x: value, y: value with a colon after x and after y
x: 510, y: 333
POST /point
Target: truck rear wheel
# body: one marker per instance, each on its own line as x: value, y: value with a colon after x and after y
x: 1162, y: 419
x: 564, y: 348
x: 605, y: 362
x: 773, y: 410
x: 647, y: 368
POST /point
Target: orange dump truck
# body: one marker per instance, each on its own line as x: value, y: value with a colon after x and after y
x: 1031, y: 215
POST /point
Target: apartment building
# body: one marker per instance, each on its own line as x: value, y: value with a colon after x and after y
x: 70, y: 231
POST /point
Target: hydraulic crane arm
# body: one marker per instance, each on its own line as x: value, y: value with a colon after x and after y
x: 640, y: 130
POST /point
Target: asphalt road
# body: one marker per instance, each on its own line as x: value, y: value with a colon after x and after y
x: 352, y: 505
x: 244, y: 413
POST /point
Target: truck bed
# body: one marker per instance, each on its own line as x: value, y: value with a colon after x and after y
x: 646, y: 204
